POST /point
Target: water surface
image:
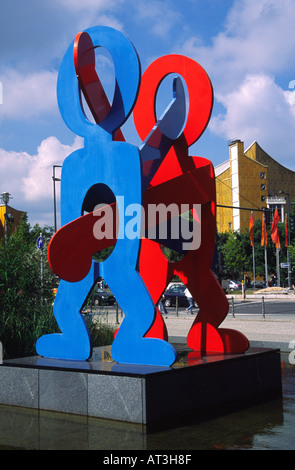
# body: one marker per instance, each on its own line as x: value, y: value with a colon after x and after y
x: 269, y: 426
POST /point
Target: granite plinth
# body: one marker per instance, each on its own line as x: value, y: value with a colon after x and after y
x: 102, y: 388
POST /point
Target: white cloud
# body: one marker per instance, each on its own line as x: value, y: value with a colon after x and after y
x: 290, y: 98
x: 93, y: 5
x: 27, y: 95
x: 13, y: 166
x: 260, y: 34
x: 258, y: 38
x: 259, y: 110
x: 94, y: 12
x: 244, y: 62
x: 160, y: 15
x: 37, y: 184
x: 28, y: 178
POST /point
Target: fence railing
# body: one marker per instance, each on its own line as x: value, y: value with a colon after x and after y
x: 232, y: 304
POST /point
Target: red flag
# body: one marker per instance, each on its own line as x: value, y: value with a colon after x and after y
x: 264, y: 232
x: 274, y: 228
x: 251, y: 225
x: 286, y: 231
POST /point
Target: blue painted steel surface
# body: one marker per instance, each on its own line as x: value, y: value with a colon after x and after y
x: 116, y: 165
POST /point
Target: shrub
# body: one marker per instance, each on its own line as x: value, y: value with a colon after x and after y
x: 25, y: 303
x: 26, y: 300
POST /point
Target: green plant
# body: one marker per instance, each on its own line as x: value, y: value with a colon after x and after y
x: 101, y: 334
x: 26, y: 298
x: 25, y: 301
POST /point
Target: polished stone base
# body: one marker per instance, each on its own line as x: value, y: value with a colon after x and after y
x: 194, y: 387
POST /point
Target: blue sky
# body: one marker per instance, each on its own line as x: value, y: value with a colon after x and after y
x: 246, y: 46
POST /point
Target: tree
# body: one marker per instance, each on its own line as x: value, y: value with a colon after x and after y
x: 271, y: 252
x: 292, y: 234
x: 233, y: 256
x: 238, y: 256
x: 25, y: 304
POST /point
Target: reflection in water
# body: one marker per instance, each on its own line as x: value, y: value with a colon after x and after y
x: 267, y: 426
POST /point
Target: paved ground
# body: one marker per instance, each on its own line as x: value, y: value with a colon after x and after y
x: 260, y: 332
x: 271, y: 331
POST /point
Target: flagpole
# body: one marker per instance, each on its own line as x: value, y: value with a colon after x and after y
x: 278, y: 267
x: 264, y: 243
x: 265, y: 260
x: 251, y: 227
x: 276, y: 240
x: 254, y: 274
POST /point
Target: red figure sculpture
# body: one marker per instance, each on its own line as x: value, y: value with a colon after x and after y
x: 191, y: 180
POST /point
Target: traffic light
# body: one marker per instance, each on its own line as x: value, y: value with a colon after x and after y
x: 267, y: 214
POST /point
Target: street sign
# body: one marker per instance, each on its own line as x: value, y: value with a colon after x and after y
x: 40, y: 243
x: 284, y: 265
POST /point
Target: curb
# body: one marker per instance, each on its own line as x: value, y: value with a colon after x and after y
x: 259, y: 296
x: 282, y: 345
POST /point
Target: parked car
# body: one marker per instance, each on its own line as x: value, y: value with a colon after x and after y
x: 103, y: 297
x: 234, y: 285
x: 258, y: 284
x: 175, y: 290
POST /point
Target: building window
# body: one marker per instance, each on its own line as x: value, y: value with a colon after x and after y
x: 279, y: 208
x: 263, y: 198
x: 230, y: 225
x: 262, y: 175
x: 262, y: 187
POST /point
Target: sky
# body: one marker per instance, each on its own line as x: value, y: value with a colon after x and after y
x: 247, y: 47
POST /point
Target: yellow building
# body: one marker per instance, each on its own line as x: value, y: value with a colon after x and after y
x: 250, y: 179
x: 13, y: 219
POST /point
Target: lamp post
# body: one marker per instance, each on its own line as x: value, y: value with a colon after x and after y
x: 54, y: 195
x: 5, y: 198
x: 289, y: 241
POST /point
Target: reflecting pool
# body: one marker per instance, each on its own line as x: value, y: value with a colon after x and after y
x: 269, y: 426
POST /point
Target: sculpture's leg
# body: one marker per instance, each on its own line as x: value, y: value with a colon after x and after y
x: 74, y: 342
x: 195, y: 271
x: 130, y: 345
x: 120, y: 271
x: 205, y: 335
x: 156, y: 280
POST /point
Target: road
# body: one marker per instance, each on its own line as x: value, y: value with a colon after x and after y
x: 273, y: 308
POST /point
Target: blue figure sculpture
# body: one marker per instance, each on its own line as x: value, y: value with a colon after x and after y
x: 106, y: 170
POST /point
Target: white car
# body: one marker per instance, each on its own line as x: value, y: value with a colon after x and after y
x: 234, y: 285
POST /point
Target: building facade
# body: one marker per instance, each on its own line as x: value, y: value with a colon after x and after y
x: 250, y: 179
x: 13, y: 220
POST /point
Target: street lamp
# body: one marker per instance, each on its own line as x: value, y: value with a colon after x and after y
x: 289, y: 241
x: 54, y: 196
x: 5, y: 198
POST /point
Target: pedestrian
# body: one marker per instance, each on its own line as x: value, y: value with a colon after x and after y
x: 273, y: 280
x: 247, y: 278
x: 162, y: 307
x: 190, y: 301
